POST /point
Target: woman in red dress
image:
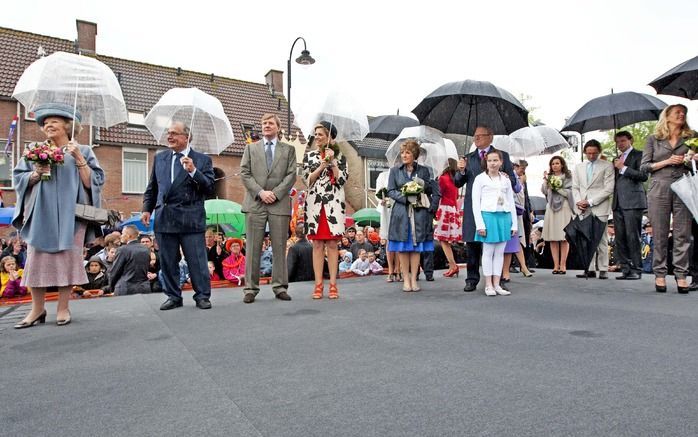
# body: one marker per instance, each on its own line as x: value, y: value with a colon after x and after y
x: 325, y: 172
x: 448, y: 227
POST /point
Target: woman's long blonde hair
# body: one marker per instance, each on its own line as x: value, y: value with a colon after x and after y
x: 662, y: 132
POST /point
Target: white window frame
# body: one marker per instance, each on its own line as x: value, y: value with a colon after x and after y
x: 136, y: 119
x: 3, y: 142
x: 125, y: 150
x: 28, y: 116
x: 372, y: 164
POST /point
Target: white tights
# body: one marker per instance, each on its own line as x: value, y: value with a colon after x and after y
x: 492, y: 258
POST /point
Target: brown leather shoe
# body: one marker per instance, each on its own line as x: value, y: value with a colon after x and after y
x: 283, y: 296
x: 249, y: 298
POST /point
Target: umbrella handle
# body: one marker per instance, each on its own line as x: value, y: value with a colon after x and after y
x: 75, y: 106
x: 191, y: 125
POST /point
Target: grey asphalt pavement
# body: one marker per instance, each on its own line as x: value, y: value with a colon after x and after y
x: 561, y: 356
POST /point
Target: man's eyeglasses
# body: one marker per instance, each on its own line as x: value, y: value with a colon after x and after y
x: 481, y: 136
x: 171, y: 133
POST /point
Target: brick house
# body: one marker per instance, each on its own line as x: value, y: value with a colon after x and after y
x: 126, y: 151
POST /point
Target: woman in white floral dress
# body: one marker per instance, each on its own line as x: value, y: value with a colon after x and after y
x: 325, y: 172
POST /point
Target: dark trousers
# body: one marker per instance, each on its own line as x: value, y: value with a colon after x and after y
x: 426, y: 260
x: 194, y: 248
x: 474, y: 257
x: 628, y: 244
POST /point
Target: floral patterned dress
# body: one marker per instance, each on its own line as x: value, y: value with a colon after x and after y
x: 325, y: 204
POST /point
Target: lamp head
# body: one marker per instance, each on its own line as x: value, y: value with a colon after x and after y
x: 305, y: 58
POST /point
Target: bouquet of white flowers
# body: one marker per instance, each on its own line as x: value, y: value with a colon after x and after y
x: 555, y: 182
x: 414, y: 192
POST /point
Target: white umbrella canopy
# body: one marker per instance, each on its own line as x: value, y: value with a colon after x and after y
x: 505, y: 143
x: 538, y: 140
x: 432, y: 154
x: 382, y: 180
x: 337, y: 107
x: 210, y: 130
x: 84, y: 83
x: 451, y: 151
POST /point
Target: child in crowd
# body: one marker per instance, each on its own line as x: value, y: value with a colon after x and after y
x: 345, y: 265
x: 374, y: 267
x: 97, y: 280
x: 212, y: 272
x: 361, y: 266
x: 11, y: 278
x: 495, y: 218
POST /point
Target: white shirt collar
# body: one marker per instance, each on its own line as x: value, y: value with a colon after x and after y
x: 184, y: 152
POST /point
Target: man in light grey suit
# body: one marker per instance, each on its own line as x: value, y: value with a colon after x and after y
x: 592, y: 188
x: 268, y: 171
x: 629, y: 202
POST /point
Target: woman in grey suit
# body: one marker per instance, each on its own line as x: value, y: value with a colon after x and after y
x: 663, y: 158
x: 411, y: 224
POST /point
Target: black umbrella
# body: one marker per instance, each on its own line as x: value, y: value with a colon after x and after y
x: 681, y: 80
x: 614, y: 111
x: 459, y: 107
x: 584, y: 234
x: 388, y: 127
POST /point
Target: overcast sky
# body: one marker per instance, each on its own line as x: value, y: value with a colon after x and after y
x: 392, y: 54
x: 560, y: 53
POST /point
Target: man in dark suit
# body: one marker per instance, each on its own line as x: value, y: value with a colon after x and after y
x: 179, y: 183
x: 129, y: 273
x: 469, y: 167
x: 300, y: 267
x: 268, y: 171
x: 629, y: 202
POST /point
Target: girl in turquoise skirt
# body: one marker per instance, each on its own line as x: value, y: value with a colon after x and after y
x: 495, y: 218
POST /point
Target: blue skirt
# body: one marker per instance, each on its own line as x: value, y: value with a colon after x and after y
x: 406, y: 246
x: 498, y: 226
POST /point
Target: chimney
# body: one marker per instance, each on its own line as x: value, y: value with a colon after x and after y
x: 87, y: 33
x: 275, y: 81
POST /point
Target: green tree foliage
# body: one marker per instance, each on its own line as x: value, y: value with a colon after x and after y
x: 639, y: 131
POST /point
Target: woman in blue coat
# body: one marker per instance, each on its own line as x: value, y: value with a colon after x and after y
x: 45, y: 213
x: 411, y: 218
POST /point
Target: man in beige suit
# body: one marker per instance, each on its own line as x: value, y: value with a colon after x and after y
x: 268, y: 171
x: 592, y: 188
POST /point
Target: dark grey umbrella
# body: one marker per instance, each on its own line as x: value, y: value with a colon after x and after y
x: 681, y: 80
x: 614, y: 111
x: 388, y: 127
x: 584, y: 235
x: 459, y: 107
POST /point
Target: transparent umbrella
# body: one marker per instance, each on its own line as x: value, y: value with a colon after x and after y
x: 431, y: 144
x: 210, y: 130
x: 339, y: 108
x: 536, y: 140
x: 505, y: 143
x: 78, y: 81
x: 451, y: 151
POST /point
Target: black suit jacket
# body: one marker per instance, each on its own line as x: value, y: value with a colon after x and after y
x: 129, y: 273
x: 178, y: 206
x: 629, y: 193
x: 473, y: 169
x: 300, y: 261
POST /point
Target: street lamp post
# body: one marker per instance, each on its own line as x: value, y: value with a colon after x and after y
x: 303, y: 59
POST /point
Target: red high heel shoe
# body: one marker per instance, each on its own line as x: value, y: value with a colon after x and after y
x: 452, y: 272
x: 317, y: 293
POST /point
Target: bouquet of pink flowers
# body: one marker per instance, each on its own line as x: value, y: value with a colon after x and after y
x: 44, y: 153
